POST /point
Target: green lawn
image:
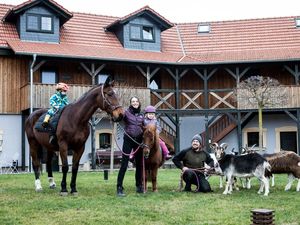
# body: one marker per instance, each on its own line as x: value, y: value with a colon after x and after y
x: 97, y: 202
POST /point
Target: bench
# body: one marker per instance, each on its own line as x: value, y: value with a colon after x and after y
x: 103, y: 158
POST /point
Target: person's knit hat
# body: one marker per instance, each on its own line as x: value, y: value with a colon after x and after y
x: 198, y: 138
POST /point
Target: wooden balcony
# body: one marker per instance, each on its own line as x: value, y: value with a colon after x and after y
x: 292, y: 99
x: 42, y: 93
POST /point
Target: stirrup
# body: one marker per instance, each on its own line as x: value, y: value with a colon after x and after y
x: 52, y: 139
x: 45, y: 124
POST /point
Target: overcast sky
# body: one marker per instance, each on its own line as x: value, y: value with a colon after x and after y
x: 186, y: 10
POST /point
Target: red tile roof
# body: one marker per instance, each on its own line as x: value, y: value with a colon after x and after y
x: 268, y: 39
x: 167, y: 23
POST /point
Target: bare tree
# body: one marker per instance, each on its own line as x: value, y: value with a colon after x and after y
x: 260, y: 92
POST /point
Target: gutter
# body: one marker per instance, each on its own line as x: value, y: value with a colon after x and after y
x: 159, y: 62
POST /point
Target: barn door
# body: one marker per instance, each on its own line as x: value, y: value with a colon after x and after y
x: 288, y: 141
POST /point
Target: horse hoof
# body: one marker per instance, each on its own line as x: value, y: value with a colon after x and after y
x: 53, y: 186
x: 74, y: 193
x: 63, y: 193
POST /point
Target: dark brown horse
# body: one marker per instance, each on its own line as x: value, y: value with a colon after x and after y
x: 72, y: 132
x: 152, y: 153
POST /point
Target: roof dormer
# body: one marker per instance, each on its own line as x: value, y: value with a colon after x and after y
x: 140, y: 30
x: 38, y: 20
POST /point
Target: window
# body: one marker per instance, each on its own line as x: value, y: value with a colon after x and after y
x: 203, y: 28
x: 46, y: 23
x: 104, y: 140
x: 102, y: 76
x: 251, y: 137
x: 1, y: 139
x: 148, y: 33
x: 141, y: 33
x: 39, y: 23
x: 48, y: 77
x: 297, y: 22
x: 155, y: 82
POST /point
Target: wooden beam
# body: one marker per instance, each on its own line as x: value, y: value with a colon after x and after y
x: 36, y: 67
x: 171, y: 73
x: 163, y: 100
x: 222, y: 100
x: 191, y: 100
x: 294, y: 72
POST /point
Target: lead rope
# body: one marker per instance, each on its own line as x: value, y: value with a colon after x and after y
x: 132, y: 153
x: 201, y: 170
x: 144, y: 175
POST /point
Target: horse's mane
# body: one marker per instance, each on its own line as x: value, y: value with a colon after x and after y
x: 150, y: 129
x: 82, y: 97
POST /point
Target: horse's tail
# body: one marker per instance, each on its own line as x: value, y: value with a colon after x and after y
x: 29, y: 126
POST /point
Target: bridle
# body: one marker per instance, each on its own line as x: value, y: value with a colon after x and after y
x: 110, y: 106
x: 143, y: 145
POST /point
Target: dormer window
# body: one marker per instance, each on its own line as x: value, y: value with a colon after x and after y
x: 203, y: 28
x: 141, y: 33
x: 39, y: 23
x: 297, y: 22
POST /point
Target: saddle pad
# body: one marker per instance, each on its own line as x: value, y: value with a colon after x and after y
x: 52, y: 123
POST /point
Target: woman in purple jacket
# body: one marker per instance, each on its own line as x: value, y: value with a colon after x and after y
x: 133, y: 136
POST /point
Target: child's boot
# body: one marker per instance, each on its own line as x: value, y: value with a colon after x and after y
x: 46, y: 121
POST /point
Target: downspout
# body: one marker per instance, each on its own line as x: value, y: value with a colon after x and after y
x: 31, y: 83
x: 31, y: 102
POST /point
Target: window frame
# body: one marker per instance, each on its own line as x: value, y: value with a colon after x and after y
x: 49, y: 70
x: 104, y: 72
x: 254, y: 129
x: 141, y: 29
x: 39, y: 23
x: 297, y: 22
x: 97, y: 139
x: 206, y: 31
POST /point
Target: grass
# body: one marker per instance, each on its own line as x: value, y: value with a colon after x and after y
x: 97, y: 202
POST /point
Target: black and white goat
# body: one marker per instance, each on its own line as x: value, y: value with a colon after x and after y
x: 285, y: 162
x: 243, y: 166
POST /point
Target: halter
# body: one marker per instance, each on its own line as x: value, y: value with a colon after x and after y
x: 110, y: 106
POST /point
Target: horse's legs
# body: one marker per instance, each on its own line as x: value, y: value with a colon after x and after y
x: 63, y: 149
x: 75, y: 164
x: 52, y: 184
x: 154, y: 179
x: 36, y: 164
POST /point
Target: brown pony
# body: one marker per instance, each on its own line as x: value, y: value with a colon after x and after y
x: 72, y: 132
x: 152, y: 153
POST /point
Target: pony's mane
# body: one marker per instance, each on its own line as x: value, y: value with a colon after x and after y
x: 150, y: 127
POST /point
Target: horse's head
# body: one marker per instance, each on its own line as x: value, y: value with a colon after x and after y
x: 110, y: 101
x: 149, y: 139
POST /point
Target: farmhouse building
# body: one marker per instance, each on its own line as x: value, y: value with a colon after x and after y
x: 188, y: 71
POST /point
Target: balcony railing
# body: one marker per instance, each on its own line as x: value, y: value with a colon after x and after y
x: 43, y: 92
x: 291, y: 98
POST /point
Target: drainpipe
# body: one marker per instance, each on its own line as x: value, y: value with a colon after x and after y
x: 31, y: 83
x: 31, y: 103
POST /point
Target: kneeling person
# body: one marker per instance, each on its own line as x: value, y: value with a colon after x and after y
x: 191, y: 159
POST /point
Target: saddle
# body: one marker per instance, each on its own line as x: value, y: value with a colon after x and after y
x: 52, y: 125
